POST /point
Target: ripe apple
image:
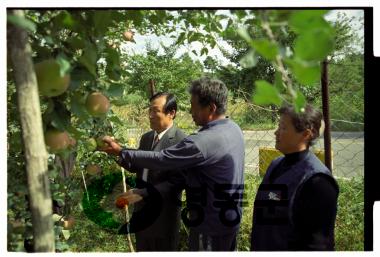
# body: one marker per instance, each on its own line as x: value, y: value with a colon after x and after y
x: 93, y: 169
x: 56, y: 140
x: 121, y: 202
x: 97, y: 104
x: 128, y: 35
x: 68, y: 223
x: 49, y: 80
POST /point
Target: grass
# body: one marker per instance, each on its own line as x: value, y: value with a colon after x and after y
x: 86, y: 236
x: 349, y: 227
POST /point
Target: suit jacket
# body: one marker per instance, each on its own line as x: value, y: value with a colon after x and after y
x: 159, y: 214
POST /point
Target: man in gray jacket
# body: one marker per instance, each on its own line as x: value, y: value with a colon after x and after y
x: 214, y: 162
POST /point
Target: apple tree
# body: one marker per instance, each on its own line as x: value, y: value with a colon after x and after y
x: 73, y: 64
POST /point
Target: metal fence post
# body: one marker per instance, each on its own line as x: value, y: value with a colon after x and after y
x: 326, y: 114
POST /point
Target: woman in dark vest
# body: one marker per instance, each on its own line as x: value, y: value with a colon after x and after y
x: 296, y: 203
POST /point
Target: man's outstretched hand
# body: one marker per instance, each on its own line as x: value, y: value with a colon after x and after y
x: 110, y: 146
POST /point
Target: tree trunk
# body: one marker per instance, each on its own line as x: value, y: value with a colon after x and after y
x: 152, y: 88
x: 32, y: 135
x: 66, y: 166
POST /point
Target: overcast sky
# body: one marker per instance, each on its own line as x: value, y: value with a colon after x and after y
x: 139, y: 47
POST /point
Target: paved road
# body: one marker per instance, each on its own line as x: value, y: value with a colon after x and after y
x: 348, y: 151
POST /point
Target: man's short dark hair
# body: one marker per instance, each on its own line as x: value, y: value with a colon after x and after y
x: 308, y: 118
x: 210, y: 91
x: 171, y: 102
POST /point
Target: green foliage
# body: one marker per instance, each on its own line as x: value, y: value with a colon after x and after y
x: 87, y: 45
x: 313, y: 43
x: 346, y: 93
x: 266, y: 94
x: 348, y: 39
x: 168, y: 73
x: 96, y: 191
x: 307, y: 73
x: 251, y: 117
x: 266, y: 48
x: 17, y: 190
x: 249, y: 60
x: 349, y: 228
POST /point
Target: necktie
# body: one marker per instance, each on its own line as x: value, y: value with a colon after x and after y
x: 155, y: 141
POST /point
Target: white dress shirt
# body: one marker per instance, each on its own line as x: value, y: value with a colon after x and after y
x: 160, y: 135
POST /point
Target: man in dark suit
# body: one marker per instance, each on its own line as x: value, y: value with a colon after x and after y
x: 156, y: 219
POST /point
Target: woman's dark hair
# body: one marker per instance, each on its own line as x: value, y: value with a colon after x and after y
x: 171, y: 102
x: 210, y: 91
x: 307, y: 118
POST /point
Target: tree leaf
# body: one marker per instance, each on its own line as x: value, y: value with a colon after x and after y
x: 102, y: 19
x: 315, y: 44
x: 115, y: 90
x: 64, y: 20
x: 113, y: 74
x: 56, y: 217
x: 66, y: 233
x: 119, y: 102
x: 49, y: 40
x: 181, y: 38
x: 244, y: 34
x: 76, y: 132
x: 76, y: 42
x: 80, y: 74
x: 301, y: 21
x: 278, y: 83
x: 195, y: 37
x: 299, y: 101
x: 89, y: 58
x: 77, y: 107
x: 204, y: 51
x: 266, y: 94
x: 266, y: 48
x: 64, y: 65
x: 136, y: 16
x: 249, y: 60
x: 116, y: 120
x: 306, y: 73
x: 58, y: 122
x: 22, y: 22
x: 113, y: 57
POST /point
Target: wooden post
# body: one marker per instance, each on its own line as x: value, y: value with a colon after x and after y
x: 152, y: 89
x: 326, y: 114
x: 32, y: 135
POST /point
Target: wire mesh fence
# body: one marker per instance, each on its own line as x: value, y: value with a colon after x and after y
x: 259, y: 123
